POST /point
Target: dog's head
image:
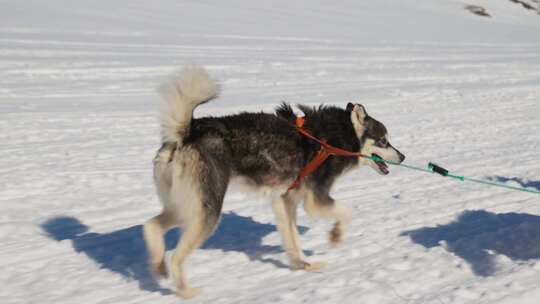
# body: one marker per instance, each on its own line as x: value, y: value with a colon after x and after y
x: 373, y: 137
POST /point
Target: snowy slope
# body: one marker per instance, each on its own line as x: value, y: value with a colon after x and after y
x: 78, y: 130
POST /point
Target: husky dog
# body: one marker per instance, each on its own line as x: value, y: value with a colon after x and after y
x: 199, y: 158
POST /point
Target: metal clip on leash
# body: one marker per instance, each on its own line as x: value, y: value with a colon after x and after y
x: 438, y: 169
x: 444, y: 172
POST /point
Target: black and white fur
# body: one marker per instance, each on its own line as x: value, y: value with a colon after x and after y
x: 199, y: 158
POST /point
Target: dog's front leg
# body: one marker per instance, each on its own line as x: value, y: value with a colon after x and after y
x: 284, y: 207
x: 343, y: 218
x: 321, y: 205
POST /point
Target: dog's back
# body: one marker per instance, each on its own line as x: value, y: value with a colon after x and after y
x: 262, y: 148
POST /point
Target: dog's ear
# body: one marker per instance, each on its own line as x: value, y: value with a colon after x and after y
x: 358, y: 113
x: 349, y: 107
x: 358, y: 117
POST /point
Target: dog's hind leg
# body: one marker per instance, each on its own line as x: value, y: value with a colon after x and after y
x: 154, y: 231
x: 284, y: 207
x: 195, y: 231
x: 193, y: 235
x: 320, y: 204
x: 199, y: 192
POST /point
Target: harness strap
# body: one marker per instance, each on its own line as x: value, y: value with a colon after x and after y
x: 324, y: 152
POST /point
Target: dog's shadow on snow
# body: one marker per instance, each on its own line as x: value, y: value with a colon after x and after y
x: 123, y: 251
x: 477, y: 236
x: 522, y: 182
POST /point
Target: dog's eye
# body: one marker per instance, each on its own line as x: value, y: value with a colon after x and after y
x: 383, y: 142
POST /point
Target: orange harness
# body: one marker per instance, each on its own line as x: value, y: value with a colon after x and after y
x: 324, y: 152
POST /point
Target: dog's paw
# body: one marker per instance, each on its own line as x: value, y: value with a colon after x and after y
x: 188, y: 293
x: 308, y: 266
x: 336, y: 235
x: 314, y: 266
x: 160, y: 270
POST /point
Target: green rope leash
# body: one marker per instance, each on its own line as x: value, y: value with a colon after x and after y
x: 433, y: 168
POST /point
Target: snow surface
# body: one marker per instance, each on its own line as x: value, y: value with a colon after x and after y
x: 79, y: 128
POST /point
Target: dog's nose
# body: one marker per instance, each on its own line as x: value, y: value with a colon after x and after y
x: 401, y: 157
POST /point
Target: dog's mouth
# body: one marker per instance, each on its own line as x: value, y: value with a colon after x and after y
x: 383, y: 167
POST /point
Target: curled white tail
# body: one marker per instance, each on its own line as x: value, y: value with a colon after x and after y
x: 182, y: 93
